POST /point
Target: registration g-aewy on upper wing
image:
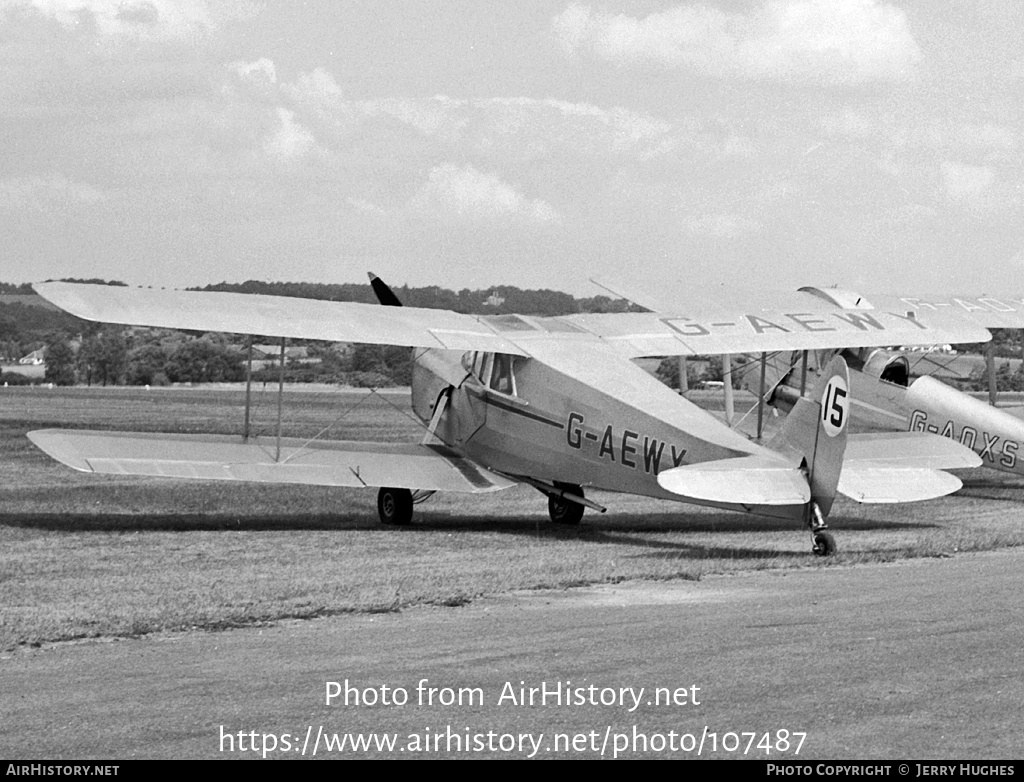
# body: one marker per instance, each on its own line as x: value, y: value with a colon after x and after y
x: 628, y: 334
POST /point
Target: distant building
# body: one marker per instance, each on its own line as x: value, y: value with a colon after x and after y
x: 35, y: 358
x: 273, y: 353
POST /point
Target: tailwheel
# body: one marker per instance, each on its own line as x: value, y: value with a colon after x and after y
x: 395, y: 506
x: 563, y: 511
x: 822, y: 542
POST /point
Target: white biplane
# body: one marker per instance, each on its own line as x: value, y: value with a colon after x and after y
x: 884, y: 395
x: 552, y: 402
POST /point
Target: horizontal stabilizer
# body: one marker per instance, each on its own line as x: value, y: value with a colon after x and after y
x: 908, y: 449
x: 745, y: 480
x: 902, y: 466
x: 890, y: 484
x: 228, y: 458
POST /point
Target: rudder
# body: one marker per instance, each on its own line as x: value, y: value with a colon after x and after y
x: 816, y: 430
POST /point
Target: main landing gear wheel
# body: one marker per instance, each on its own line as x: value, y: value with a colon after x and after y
x: 563, y: 511
x: 824, y: 544
x: 395, y: 506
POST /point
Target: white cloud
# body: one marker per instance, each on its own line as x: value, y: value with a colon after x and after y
x: 520, y: 125
x: 908, y: 134
x: 148, y: 19
x: 847, y: 123
x: 466, y: 192
x: 834, y: 41
x: 988, y: 194
x: 317, y: 88
x: 530, y: 126
x: 432, y: 117
x: 720, y: 226
x: 964, y: 182
x: 259, y: 70
x: 582, y: 127
x: 252, y: 112
x: 290, y: 140
x: 365, y: 207
x: 47, y: 194
x: 971, y: 139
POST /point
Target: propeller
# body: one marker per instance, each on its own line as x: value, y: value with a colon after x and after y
x: 385, y: 295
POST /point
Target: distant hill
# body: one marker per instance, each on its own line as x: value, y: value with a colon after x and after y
x: 10, y: 287
x: 496, y: 300
x: 26, y: 299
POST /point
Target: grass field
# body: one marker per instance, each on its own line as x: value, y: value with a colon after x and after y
x: 97, y: 556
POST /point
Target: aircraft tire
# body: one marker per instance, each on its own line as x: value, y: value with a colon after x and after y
x: 395, y: 506
x: 564, y: 511
x: 824, y: 544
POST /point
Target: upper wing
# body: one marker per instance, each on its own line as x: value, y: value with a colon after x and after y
x: 958, y: 314
x: 276, y: 316
x: 754, y: 331
x: 630, y: 334
x: 229, y: 458
x: 996, y: 312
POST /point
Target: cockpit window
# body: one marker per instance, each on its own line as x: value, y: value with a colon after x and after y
x: 502, y: 378
x: 481, y: 365
x: 897, y: 371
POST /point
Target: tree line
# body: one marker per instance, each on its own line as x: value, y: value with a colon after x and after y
x: 158, y: 357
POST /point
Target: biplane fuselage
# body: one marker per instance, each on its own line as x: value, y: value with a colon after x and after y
x: 520, y: 417
x: 928, y: 405
x: 925, y: 404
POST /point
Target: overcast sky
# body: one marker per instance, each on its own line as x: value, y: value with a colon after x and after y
x: 871, y: 144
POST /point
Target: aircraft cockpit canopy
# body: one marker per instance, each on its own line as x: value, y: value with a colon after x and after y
x: 494, y: 370
x: 883, y: 364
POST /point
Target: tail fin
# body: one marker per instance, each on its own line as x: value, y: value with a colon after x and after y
x: 816, y: 431
x: 385, y: 295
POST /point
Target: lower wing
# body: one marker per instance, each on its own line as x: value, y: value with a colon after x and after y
x: 229, y: 458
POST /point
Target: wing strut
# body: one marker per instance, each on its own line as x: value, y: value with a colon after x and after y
x: 990, y: 367
x: 550, y: 489
x: 280, y: 399
x: 439, y: 407
x: 248, y: 391
x: 730, y: 409
x: 761, y: 396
